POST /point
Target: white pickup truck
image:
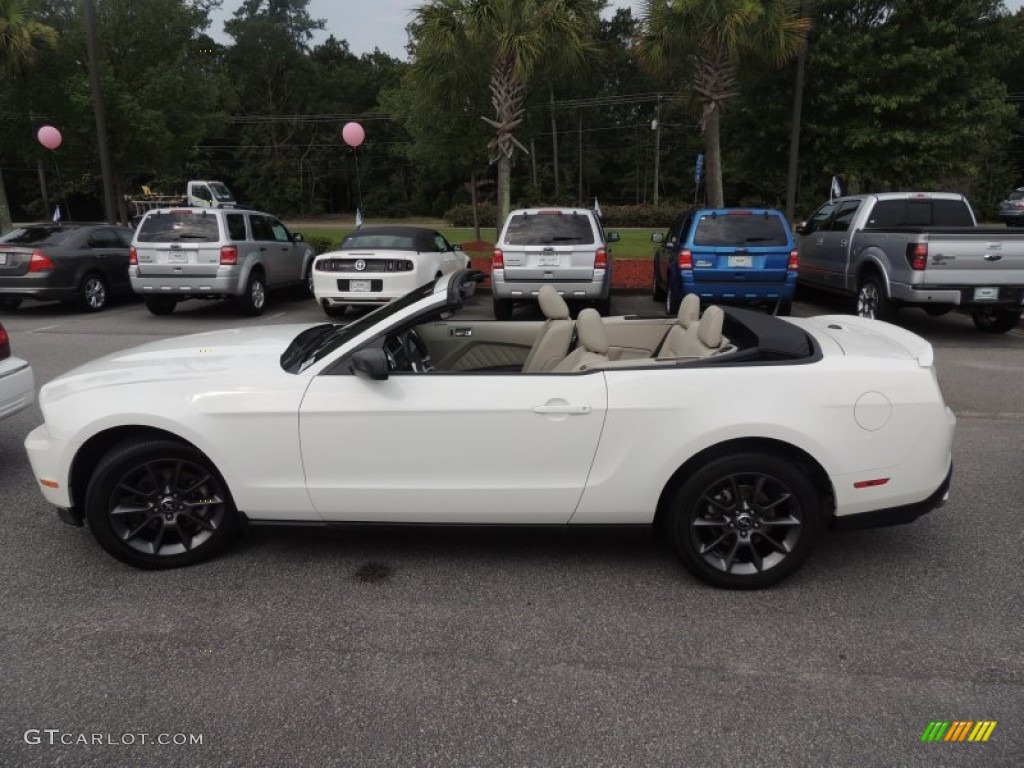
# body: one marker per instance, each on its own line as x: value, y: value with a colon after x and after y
x: 921, y: 249
x: 199, y: 193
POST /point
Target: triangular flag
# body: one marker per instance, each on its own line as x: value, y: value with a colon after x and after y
x: 597, y: 208
x: 359, y: 219
x: 56, y: 214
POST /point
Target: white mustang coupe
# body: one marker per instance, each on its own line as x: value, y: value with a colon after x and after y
x: 739, y: 434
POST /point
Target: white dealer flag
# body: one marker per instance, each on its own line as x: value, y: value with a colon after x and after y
x: 56, y: 214
x: 359, y: 219
x: 597, y: 208
x: 835, y: 191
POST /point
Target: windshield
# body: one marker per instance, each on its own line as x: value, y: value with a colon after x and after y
x: 221, y: 192
x: 35, y: 236
x: 740, y: 229
x: 313, y: 344
x: 173, y: 226
x: 549, y: 229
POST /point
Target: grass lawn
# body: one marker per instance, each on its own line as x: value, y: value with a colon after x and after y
x: 634, y: 243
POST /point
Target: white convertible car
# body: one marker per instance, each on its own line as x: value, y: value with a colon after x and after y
x: 375, y: 265
x: 740, y: 434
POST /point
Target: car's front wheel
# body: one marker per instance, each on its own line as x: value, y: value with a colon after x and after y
x: 872, y: 301
x: 996, y: 319
x: 159, y: 504
x: 657, y: 289
x: 745, y: 521
x: 672, y: 302
x: 9, y: 305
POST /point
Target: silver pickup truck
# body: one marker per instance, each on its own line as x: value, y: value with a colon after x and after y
x: 920, y: 249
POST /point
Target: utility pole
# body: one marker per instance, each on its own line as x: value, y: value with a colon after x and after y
x: 579, y: 142
x: 794, y: 131
x: 656, y: 125
x: 91, y: 48
x: 554, y: 141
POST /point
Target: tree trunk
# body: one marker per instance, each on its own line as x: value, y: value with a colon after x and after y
x: 554, y: 143
x: 504, y: 184
x: 713, y: 157
x: 6, y: 224
x: 794, y: 130
x: 472, y: 197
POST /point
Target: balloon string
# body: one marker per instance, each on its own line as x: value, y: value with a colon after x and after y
x: 359, y: 188
x: 60, y: 182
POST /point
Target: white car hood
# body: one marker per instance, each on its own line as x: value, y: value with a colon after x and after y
x: 239, y: 353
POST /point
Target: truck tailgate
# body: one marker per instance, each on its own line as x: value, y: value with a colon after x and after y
x: 986, y: 259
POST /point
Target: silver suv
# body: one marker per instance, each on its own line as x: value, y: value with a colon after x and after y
x: 1011, y: 210
x: 562, y: 247
x: 213, y: 253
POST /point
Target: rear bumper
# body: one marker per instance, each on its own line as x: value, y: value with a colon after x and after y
x: 184, y: 286
x: 957, y: 295
x: 597, y: 288
x: 17, y: 386
x: 902, y: 515
x: 740, y: 291
x: 28, y: 288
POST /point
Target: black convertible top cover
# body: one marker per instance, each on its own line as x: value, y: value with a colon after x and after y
x: 392, y: 238
x: 772, y: 337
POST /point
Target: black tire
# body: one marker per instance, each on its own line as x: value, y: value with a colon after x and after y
x: 333, y: 310
x: 937, y: 310
x: 603, y: 306
x: 9, y: 305
x: 503, y: 309
x: 254, y: 300
x: 92, y: 293
x: 672, y: 302
x: 745, y: 521
x: 657, y: 290
x: 996, y: 319
x: 305, y: 289
x: 784, y: 308
x: 161, y: 305
x: 159, y: 504
x: 872, y: 301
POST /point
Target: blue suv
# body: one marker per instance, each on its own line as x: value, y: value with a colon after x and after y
x: 727, y: 256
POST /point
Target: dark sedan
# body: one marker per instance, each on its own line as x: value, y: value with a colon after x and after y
x: 84, y: 265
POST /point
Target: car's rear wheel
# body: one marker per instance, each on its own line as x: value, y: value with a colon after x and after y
x: 161, y: 305
x: 745, y: 521
x: 503, y: 309
x: 996, y: 319
x: 937, y: 310
x: 872, y: 301
x: 784, y: 308
x: 333, y: 310
x: 254, y: 300
x: 9, y: 305
x: 603, y: 306
x: 159, y: 504
x: 657, y: 289
x: 92, y: 293
x: 672, y: 302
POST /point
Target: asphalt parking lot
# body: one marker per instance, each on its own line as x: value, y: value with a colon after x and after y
x: 439, y: 648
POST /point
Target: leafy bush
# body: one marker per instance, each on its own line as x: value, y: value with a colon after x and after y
x: 643, y: 216
x: 319, y: 244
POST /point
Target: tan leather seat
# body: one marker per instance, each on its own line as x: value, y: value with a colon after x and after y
x: 701, y: 340
x: 686, y: 324
x: 592, y: 347
x: 555, y: 337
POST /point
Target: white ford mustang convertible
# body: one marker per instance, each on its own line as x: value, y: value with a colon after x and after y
x: 741, y: 435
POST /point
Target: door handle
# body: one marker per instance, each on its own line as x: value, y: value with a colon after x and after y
x: 820, y: 241
x: 843, y: 243
x: 460, y: 331
x: 572, y: 410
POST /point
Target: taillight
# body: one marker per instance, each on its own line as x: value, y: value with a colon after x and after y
x: 601, y: 258
x: 40, y: 262
x: 5, y: 344
x: 917, y: 255
x: 228, y: 255
x: 498, y: 259
x: 794, y: 261
x: 133, y: 256
x: 685, y: 260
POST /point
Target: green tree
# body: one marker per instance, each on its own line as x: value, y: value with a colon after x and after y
x: 705, y: 43
x: 21, y: 38
x: 511, y: 40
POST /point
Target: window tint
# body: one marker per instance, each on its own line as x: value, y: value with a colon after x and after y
x: 35, y: 235
x: 261, y: 229
x: 173, y: 226
x: 202, y: 192
x: 920, y: 213
x: 440, y: 243
x: 1018, y: 195
x: 549, y: 229
x: 820, y: 217
x: 221, y: 192
x: 236, y: 226
x: 357, y: 242
x: 280, y: 233
x: 841, y: 221
x: 734, y: 229
x: 103, y: 238
x: 124, y: 237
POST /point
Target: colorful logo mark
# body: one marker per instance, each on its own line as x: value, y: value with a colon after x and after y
x: 958, y: 730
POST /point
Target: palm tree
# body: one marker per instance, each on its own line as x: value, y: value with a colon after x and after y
x: 21, y: 37
x: 455, y: 41
x: 707, y: 41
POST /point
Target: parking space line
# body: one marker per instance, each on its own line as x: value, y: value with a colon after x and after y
x: 45, y: 328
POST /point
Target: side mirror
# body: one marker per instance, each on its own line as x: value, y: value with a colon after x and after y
x: 657, y: 237
x: 613, y: 237
x: 297, y: 237
x: 371, y: 364
x: 456, y: 247
x: 801, y: 228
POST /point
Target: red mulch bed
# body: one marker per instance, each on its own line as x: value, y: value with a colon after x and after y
x: 626, y: 273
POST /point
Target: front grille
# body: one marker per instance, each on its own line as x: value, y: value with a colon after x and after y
x: 369, y: 265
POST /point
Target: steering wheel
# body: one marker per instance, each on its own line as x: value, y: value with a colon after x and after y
x: 406, y: 352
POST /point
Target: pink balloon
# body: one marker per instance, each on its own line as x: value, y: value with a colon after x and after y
x: 49, y: 137
x: 353, y: 134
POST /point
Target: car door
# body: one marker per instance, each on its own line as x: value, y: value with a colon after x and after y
x: 450, y: 448
x: 447, y: 253
x: 289, y: 253
x: 101, y: 254
x: 271, y: 254
x: 812, y: 245
x: 836, y: 236
x: 669, y: 247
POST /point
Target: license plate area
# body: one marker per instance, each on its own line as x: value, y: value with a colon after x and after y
x: 549, y: 260
x: 741, y: 260
x: 986, y: 294
x: 361, y: 286
x: 180, y: 257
